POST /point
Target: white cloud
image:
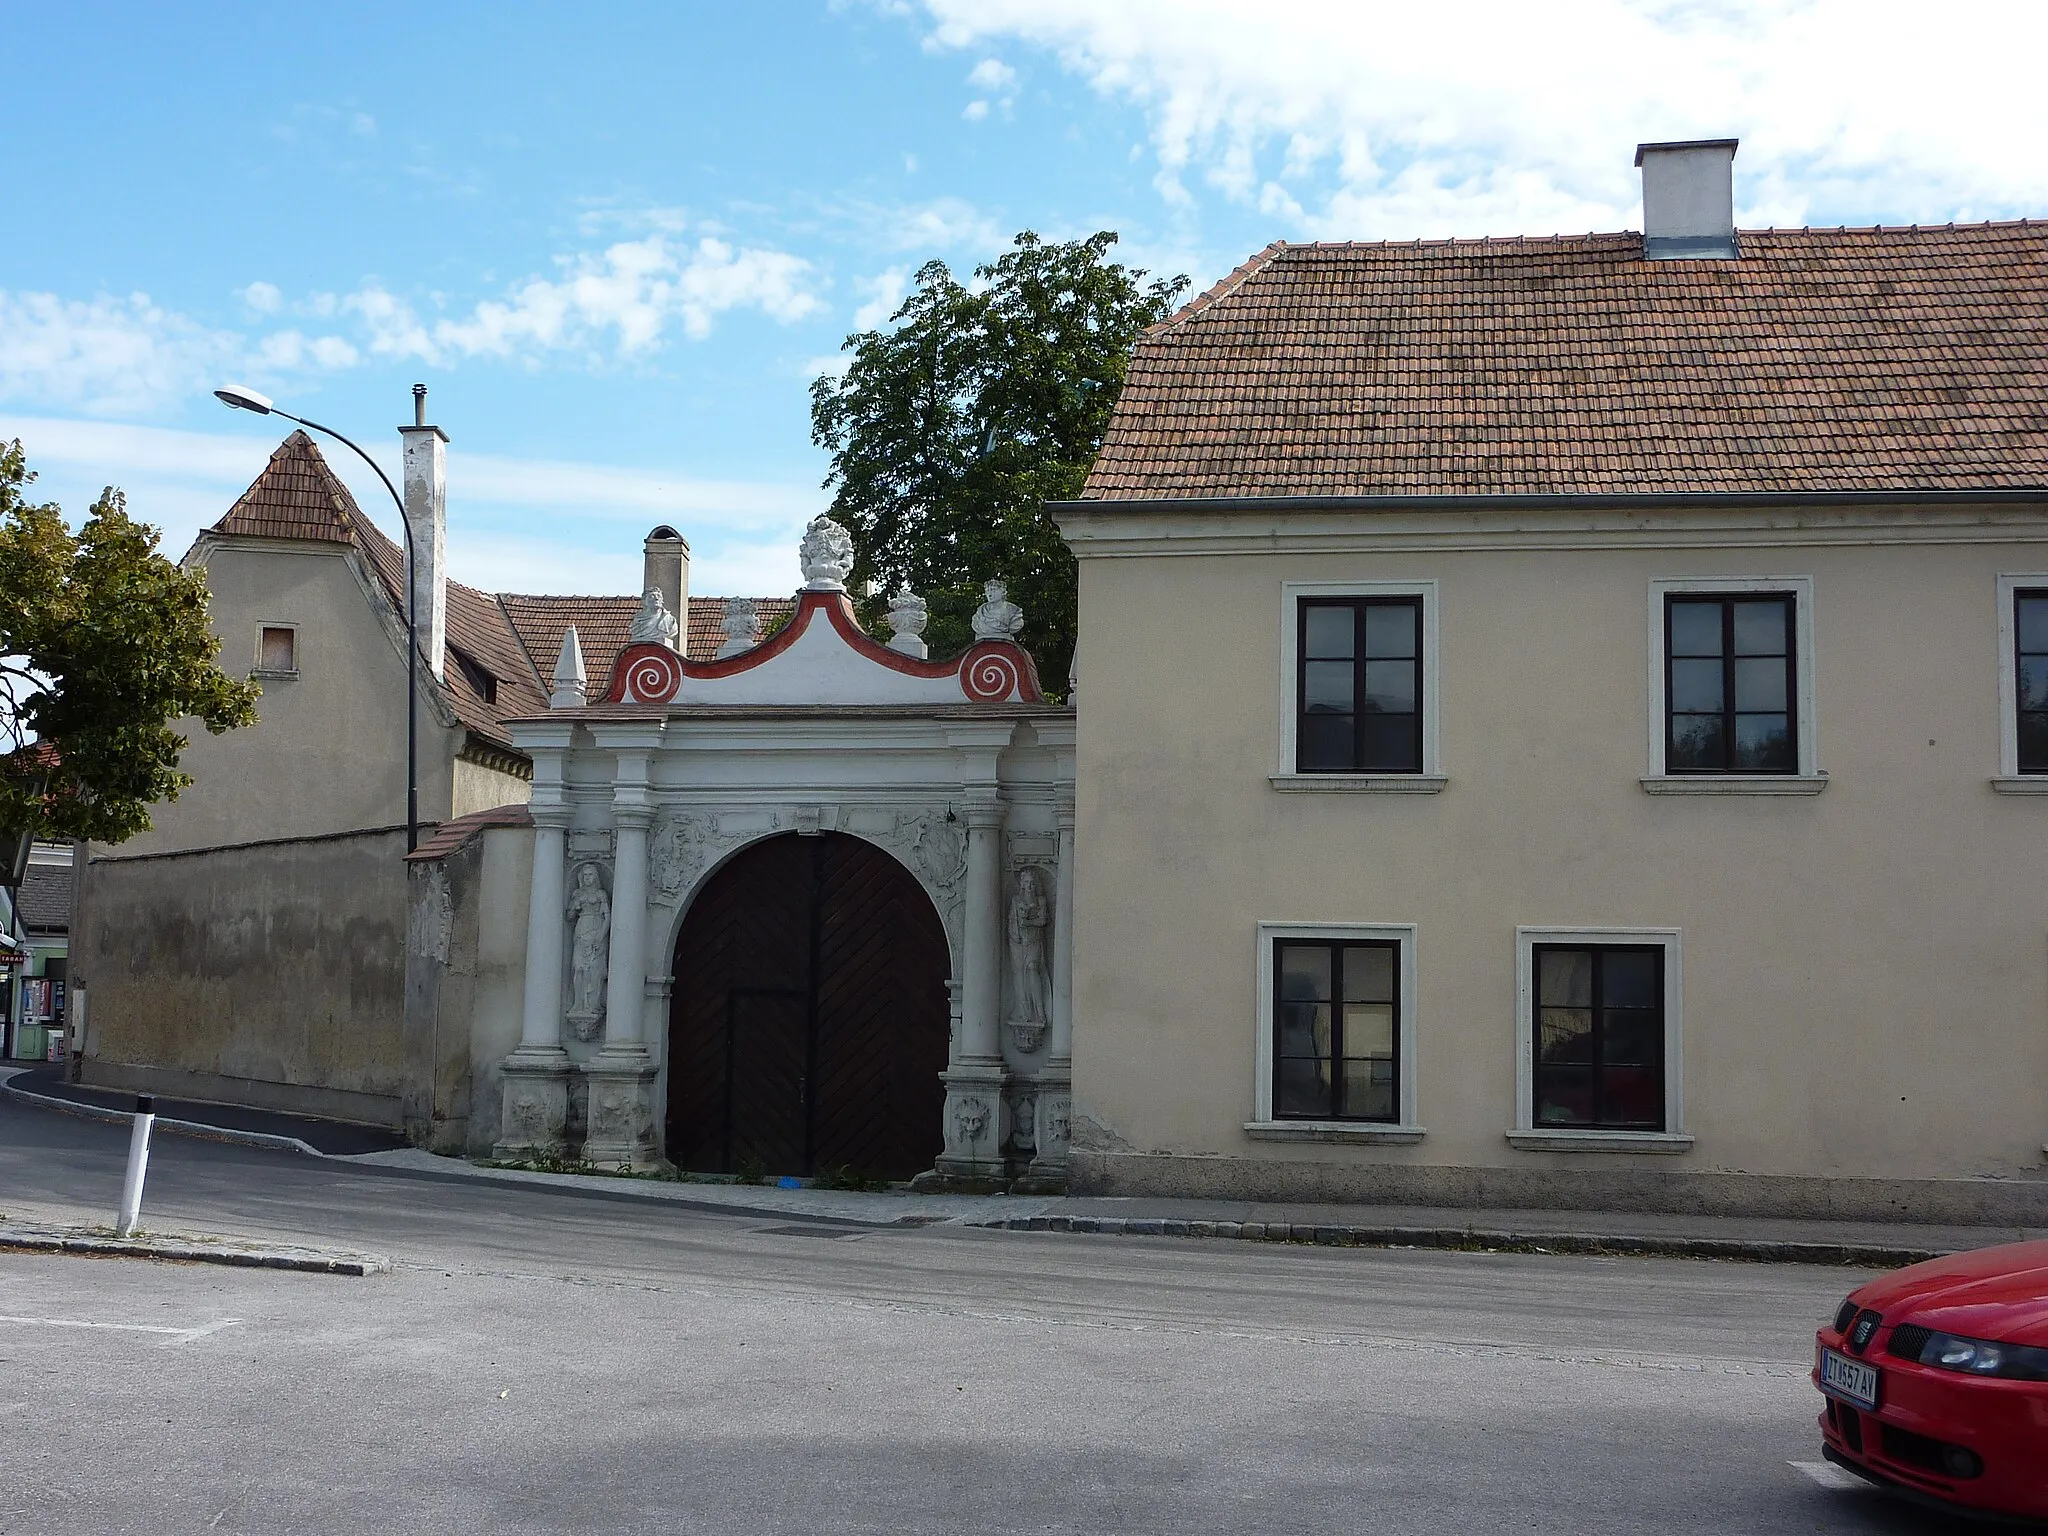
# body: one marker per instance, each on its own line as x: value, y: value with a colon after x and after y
x: 974, y: 111
x: 262, y: 298
x: 993, y: 76
x: 882, y: 293
x: 627, y: 295
x: 103, y: 355
x: 515, y: 525
x: 1501, y: 117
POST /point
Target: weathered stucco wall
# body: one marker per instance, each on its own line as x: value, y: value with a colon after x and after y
x: 269, y: 975
x: 464, y: 985
x: 1865, y: 970
x: 327, y: 753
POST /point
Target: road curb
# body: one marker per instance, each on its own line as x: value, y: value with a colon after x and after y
x: 87, y: 1244
x: 1851, y: 1255
x: 193, y: 1128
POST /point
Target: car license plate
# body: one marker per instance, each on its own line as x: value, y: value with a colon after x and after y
x: 1850, y: 1380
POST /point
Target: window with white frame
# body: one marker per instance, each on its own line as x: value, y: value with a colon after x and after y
x: 1598, y: 1037
x: 2023, y: 682
x: 1358, y: 665
x: 1336, y: 1047
x: 1731, y: 685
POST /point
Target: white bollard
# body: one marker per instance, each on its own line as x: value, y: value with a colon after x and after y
x: 138, y: 1165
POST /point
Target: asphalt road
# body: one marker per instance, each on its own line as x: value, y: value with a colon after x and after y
x: 539, y: 1362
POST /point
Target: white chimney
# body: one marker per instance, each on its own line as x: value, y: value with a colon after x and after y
x: 668, y: 570
x: 1688, y: 200
x: 426, y: 516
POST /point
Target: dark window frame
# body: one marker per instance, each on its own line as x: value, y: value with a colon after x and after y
x: 1727, y: 600
x: 2022, y: 763
x: 1595, y: 1067
x: 1414, y: 760
x: 1397, y: 1001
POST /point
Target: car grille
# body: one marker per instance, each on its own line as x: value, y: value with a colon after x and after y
x: 1848, y: 1424
x: 1863, y: 1330
x: 1907, y: 1341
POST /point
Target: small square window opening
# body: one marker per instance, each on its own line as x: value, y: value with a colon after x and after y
x: 277, y: 650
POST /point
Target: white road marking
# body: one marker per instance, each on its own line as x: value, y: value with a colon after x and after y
x: 1828, y: 1475
x: 171, y: 1335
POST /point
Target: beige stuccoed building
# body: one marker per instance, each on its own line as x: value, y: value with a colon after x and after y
x: 1558, y: 725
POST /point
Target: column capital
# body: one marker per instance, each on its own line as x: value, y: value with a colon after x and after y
x: 982, y: 814
x: 636, y: 814
x: 552, y: 815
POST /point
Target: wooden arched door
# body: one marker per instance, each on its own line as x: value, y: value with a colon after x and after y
x: 809, y: 1021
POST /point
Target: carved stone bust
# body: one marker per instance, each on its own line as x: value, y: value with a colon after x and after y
x: 742, y: 626
x: 907, y: 619
x: 997, y: 618
x: 827, y: 556
x: 653, y: 624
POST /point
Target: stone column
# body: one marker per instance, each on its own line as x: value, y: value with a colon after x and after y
x: 1055, y: 1079
x: 534, y: 1109
x: 619, y: 1121
x: 974, y: 1081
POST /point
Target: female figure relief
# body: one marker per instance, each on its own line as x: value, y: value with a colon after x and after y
x: 590, y: 911
x: 1030, y: 979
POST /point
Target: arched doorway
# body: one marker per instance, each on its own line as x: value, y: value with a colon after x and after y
x: 809, y: 1022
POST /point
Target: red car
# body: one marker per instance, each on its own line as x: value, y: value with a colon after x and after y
x: 1936, y: 1380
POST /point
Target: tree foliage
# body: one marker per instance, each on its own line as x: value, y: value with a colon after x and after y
x: 951, y: 430
x: 103, y: 643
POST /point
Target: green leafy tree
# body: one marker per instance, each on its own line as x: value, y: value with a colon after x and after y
x: 103, y: 644
x: 950, y: 431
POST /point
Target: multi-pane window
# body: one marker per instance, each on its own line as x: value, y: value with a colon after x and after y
x: 2030, y: 642
x: 1360, y: 689
x: 1730, y: 685
x: 1336, y: 1027
x: 1599, y: 1036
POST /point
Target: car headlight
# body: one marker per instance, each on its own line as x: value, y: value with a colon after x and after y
x: 1984, y: 1357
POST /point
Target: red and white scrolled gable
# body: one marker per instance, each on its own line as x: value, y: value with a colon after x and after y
x: 822, y: 656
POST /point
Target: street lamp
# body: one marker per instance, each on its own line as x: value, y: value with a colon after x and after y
x: 242, y: 399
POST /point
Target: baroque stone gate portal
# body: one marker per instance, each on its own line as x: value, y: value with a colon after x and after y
x: 957, y: 771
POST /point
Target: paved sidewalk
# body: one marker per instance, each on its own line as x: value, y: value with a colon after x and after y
x: 261, y: 1127
x: 1617, y: 1232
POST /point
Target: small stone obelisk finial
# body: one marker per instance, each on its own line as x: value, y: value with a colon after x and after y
x: 572, y: 683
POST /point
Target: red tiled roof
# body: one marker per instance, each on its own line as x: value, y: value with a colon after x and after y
x: 602, y: 624
x: 453, y: 835
x: 1819, y: 360
x: 512, y: 640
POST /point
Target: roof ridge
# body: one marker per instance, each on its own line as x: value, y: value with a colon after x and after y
x: 1221, y: 289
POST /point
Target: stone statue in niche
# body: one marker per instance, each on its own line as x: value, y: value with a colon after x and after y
x: 1030, y: 978
x: 826, y: 555
x: 590, y: 916
x: 908, y: 617
x: 997, y: 618
x: 653, y: 624
x: 742, y: 627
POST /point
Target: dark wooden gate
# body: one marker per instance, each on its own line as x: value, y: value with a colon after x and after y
x: 809, y: 1022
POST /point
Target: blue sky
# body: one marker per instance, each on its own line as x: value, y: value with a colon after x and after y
x: 616, y: 241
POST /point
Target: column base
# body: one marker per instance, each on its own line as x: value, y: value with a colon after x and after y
x: 948, y: 1177
x: 619, y: 1122
x: 1047, y: 1174
x: 974, y: 1126
x: 533, y: 1116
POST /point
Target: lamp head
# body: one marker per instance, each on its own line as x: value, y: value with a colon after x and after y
x: 243, y: 399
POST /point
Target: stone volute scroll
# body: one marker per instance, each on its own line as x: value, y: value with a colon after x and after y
x: 589, y: 913
x: 742, y: 627
x: 908, y: 616
x: 1030, y: 976
x: 997, y: 618
x: 653, y: 624
x: 826, y: 555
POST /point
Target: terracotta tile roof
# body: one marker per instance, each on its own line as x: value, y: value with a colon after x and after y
x: 296, y: 497
x: 509, y: 641
x: 453, y: 835
x: 602, y: 624
x: 1836, y: 360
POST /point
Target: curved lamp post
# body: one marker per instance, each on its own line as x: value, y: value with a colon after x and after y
x: 248, y: 400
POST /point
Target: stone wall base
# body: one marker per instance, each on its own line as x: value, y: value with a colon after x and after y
x: 2000, y: 1202
x: 254, y: 1093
